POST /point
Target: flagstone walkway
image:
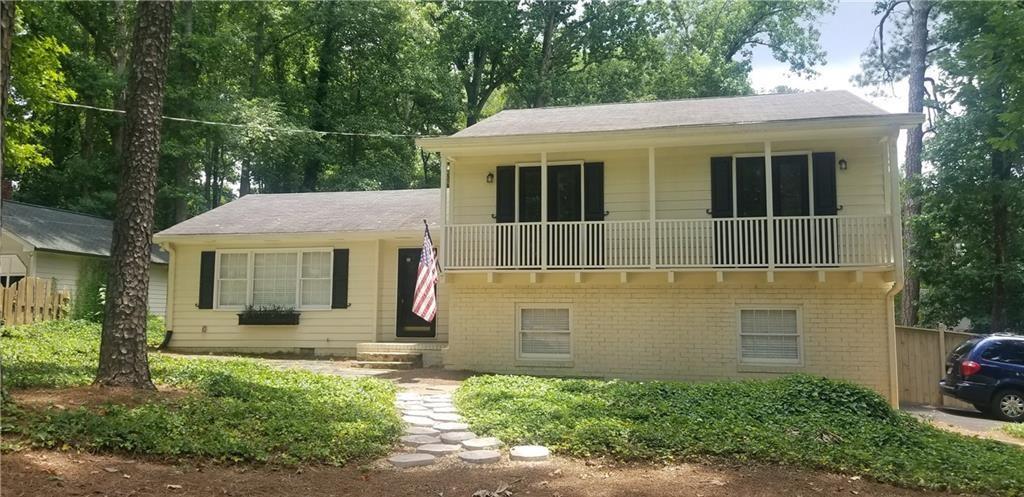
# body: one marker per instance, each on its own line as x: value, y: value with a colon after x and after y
x: 436, y: 430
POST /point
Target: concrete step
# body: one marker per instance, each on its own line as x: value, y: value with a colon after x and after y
x: 413, y: 357
x: 386, y: 364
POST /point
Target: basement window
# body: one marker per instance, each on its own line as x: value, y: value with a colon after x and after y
x: 544, y: 332
x: 770, y: 336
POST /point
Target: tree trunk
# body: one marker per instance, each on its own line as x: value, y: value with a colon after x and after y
x: 326, y: 56
x: 6, y: 34
x: 1000, y: 240
x: 915, y: 141
x: 541, y: 97
x: 121, y: 51
x: 472, y: 85
x: 123, y: 358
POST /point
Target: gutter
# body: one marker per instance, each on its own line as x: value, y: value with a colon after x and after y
x: 890, y: 297
x: 169, y: 305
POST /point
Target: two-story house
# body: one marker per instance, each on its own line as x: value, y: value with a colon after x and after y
x: 693, y: 239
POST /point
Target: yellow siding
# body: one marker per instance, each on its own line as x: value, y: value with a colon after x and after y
x: 388, y: 302
x: 339, y: 329
x: 682, y: 176
x: 372, y: 293
x: 684, y: 331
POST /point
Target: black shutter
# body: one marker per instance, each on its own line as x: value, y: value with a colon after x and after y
x: 825, y: 203
x: 339, y: 280
x: 721, y: 187
x: 207, y: 266
x: 505, y: 211
x: 593, y: 189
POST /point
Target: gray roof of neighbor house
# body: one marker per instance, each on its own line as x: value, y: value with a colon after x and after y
x: 58, y: 230
x: 673, y: 113
x: 321, y: 212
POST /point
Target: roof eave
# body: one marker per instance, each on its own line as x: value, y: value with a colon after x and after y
x: 297, y: 237
x: 452, y: 144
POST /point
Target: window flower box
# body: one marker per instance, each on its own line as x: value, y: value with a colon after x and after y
x: 268, y: 316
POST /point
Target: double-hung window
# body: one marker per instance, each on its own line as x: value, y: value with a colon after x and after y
x: 544, y: 332
x: 290, y: 279
x: 770, y: 336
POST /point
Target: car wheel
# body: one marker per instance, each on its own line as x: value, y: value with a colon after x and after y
x: 1008, y: 405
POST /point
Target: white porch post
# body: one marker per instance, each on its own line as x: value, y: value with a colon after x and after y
x: 443, y: 213
x: 651, y: 186
x: 544, y: 210
x: 769, y: 208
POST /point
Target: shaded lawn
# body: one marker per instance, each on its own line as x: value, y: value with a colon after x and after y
x: 236, y: 410
x: 800, y: 420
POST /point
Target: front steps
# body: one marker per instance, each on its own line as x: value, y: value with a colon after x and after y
x: 389, y: 360
x: 399, y: 355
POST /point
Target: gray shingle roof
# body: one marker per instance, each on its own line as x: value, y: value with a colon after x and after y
x: 58, y: 230
x: 673, y: 113
x: 321, y: 212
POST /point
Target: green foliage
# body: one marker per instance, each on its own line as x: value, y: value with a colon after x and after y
x: 799, y: 420
x: 90, y: 292
x: 1016, y: 430
x: 235, y: 410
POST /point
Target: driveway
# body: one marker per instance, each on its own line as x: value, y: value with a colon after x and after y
x: 964, y: 421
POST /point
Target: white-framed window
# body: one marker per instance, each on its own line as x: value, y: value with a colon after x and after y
x: 233, y: 279
x: 288, y: 278
x: 770, y: 336
x: 544, y: 331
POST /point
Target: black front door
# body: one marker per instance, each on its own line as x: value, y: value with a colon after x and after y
x: 409, y: 325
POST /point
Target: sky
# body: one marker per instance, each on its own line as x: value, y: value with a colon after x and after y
x: 844, y: 36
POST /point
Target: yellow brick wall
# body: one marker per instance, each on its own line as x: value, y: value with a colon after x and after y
x: 682, y: 331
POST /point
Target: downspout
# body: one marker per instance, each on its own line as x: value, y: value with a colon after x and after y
x: 169, y: 305
x: 896, y: 219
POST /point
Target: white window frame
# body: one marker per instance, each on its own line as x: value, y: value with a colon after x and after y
x: 519, y: 332
x: 799, y: 361
x: 250, y: 265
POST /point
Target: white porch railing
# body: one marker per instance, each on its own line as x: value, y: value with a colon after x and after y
x: 805, y: 241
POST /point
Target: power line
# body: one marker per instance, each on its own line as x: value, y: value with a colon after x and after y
x: 252, y: 126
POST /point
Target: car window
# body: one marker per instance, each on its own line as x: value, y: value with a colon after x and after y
x: 1007, y: 351
x: 962, y: 349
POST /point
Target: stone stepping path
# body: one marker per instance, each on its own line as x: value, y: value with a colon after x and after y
x: 434, y: 429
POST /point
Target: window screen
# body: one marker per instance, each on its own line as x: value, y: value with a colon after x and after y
x: 233, y: 280
x: 769, y: 335
x: 273, y: 279
x: 544, y: 332
x: 316, y: 279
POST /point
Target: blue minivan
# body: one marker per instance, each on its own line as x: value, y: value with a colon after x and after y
x: 988, y: 372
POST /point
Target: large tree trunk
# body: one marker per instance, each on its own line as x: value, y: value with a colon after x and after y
x: 915, y: 141
x: 6, y: 34
x: 123, y: 358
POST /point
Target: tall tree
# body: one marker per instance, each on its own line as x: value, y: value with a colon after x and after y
x: 981, y: 70
x: 906, y: 56
x: 123, y: 358
x: 487, y: 45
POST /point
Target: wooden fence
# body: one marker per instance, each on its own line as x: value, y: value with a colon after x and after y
x: 921, y: 359
x: 32, y: 300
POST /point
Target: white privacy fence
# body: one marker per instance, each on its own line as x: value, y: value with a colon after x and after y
x: 803, y: 241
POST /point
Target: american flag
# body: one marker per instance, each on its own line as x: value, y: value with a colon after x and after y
x: 424, y: 304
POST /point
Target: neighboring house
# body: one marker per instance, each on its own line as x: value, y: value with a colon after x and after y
x: 697, y: 239
x: 54, y: 243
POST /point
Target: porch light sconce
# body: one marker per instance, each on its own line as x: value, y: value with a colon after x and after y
x: 490, y: 177
x: 842, y: 164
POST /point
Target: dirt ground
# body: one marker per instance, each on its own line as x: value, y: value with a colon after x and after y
x: 49, y: 473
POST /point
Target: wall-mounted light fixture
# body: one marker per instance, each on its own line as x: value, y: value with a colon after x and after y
x: 490, y: 177
x: 842, y: 164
